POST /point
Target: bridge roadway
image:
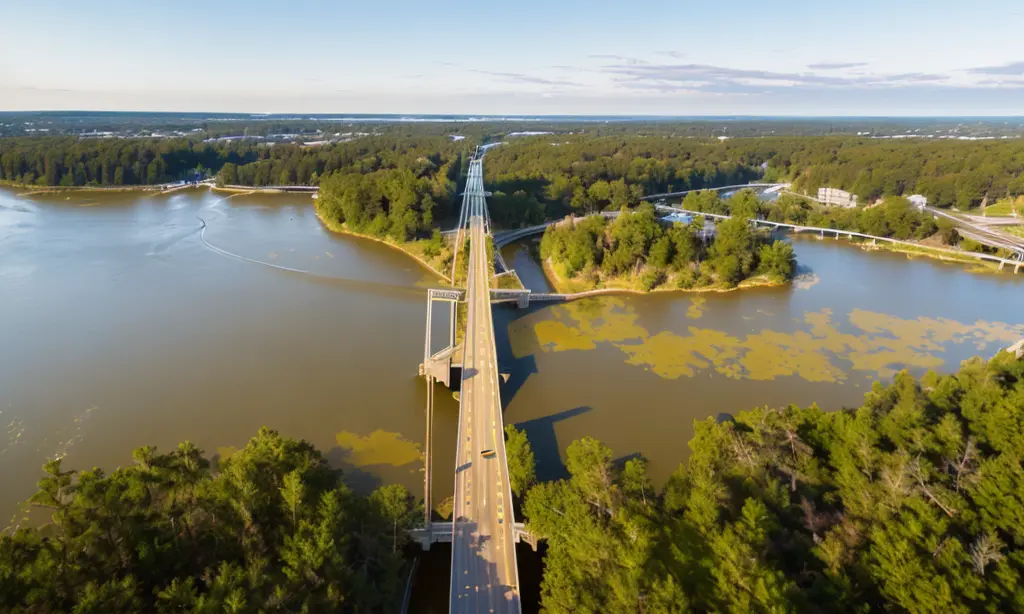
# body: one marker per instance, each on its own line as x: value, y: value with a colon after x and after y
x: 484, y: 576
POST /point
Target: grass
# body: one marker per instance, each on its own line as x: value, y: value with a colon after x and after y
x: 507, y: 281
x: 1017, y: 231
x: 1005, y: 208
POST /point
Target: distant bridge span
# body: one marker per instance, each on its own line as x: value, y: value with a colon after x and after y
x: 504, y: 238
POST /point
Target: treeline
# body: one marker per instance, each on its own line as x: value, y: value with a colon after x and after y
x: 70, y: 161
x: 595, y: 168
x: 273, y: 529
x: 289, y: 164
x: 913, y: 502
x: 399, y: 195
x: 637, y: 247
x: 559, y: 170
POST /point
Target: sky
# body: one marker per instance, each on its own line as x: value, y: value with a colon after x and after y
x: 526, y: 57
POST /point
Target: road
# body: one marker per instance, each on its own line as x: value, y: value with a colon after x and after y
x: 484, y: 573
x: 979, y: 232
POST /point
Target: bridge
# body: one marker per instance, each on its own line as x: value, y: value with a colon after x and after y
x: 770, y: 187
x: 483, y: 531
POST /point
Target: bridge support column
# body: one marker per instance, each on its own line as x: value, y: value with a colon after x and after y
x: 523, y: 300
x: 427, y: 453
x: 821, y: 236
x: 1016, y: 268
x: 1001, y: 265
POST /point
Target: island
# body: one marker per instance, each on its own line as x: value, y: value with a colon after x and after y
x: 636, y: 250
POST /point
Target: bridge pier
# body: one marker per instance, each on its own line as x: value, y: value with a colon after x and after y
x: 427, y: 456
x: 435, y: 367
x: 1016, y: 268
x: 1001, y: 265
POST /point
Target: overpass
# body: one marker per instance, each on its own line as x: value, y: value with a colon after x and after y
x: 483, y: 531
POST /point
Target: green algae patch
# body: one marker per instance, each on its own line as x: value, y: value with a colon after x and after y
x: 672, y: 356
x: 818, y: 351
x: 770, y: 354
x: 379, y: 448
x: 696, y: 309
x: 579, y: 325
x: 555, y: 336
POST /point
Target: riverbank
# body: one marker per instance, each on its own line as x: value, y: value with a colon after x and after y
x: 412, y: 249
x: 560, y: 284
x: 32, y: 190
x: 244, y: 189
x: 977, y: 264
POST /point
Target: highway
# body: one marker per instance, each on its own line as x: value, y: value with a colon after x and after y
x: 981, y: 233
x: 484, y: 577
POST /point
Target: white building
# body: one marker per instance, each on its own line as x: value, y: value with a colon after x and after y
x: 840, y: 198
x: 918, y: 200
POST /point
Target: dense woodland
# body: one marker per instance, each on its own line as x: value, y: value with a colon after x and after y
x: 398, y: 195
x: 636, y: 247
x: 913, y: 502
x: 70, y: 161
x: 543, y: 177
x: 579, y: 173
x: 273, y: 529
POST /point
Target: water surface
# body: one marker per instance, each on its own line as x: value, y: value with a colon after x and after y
x: 123, y: 323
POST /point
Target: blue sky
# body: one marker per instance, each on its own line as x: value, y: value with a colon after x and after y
x: 789, y: 57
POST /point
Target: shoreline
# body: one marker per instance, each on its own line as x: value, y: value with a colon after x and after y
x: 558, y: 285
x: 32, y: 190
x: 971, y: 261
x: 342, y: 230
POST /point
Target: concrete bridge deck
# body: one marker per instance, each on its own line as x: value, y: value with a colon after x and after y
x: 484, y: 573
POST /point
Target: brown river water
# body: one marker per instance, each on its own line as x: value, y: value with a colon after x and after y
x: 123, y: 323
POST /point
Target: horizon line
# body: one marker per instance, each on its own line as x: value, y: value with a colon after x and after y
x: 627, y: 116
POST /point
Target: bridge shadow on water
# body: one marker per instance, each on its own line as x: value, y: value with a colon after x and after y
x: 517, y: 369
x: 544, y: 442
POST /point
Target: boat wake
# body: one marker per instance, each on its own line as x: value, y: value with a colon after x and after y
x: 368, y: 286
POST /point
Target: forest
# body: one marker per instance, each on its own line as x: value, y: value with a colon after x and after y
x: 271, y: 529
x: 912, y: 502
x: 398, y: 196
x: 580, y: 173
x: 638, y: 250
x: 545, y: 177
x: 72, y: 161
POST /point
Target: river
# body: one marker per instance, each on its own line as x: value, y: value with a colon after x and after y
x: 123, y: 322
